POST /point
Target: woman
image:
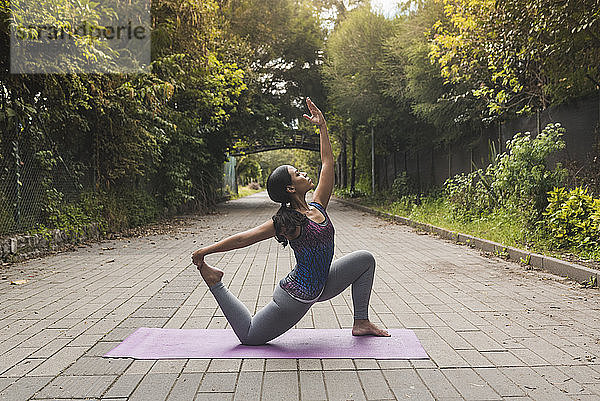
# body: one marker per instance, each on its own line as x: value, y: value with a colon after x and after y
x: 310, y: 233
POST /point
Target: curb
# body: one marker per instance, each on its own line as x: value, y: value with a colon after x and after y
x: 552, y: 265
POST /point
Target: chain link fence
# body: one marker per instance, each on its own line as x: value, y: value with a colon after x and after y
x: 34, y: 179
x: 37, y: 179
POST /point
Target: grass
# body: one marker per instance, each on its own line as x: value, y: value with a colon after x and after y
x: 246, y: 191
x: 502, y: 226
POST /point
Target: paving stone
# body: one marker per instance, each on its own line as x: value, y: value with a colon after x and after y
x: 15, y: 357
x: 124, y: 386
x: 281, y: 364
x: 225, y: 365
x: 533, y: 384
x: 437, y: 384
x: 6, y: 381
x: 280, y: 386
x: 309, y: 364
x: 218, y: 383
x: 338, y: 364
x: 168, y: 366
x: 76, y: 387
x: 59, y: 361
x: 343, y: 385
x: 213, y: 397
x: 185, y: 387
x: 474, y: 358
x: 470, y: 385
x: 499, y: 382
x: 366, y: 364
x: 249, y: 386
x: 502, y: 358
x: 24, y: 388
x: 98, y: 366
x: 312, y: 386
x: 154, y: 387
x: 51, y: 348
x: 100, y: 348
x: 140, y: 367
x: 253, y: 365
x: 374, y: 385
x: 397, y: 363
x: 406, y: 384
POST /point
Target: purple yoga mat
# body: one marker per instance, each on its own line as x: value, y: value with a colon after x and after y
x: 155, y: 343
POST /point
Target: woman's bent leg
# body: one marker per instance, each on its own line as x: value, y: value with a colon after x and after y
x: 356, y: 269
x: 277, y: 317
x: 234, y: 310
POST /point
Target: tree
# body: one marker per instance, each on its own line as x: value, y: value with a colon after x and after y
x: 353, y: 51
x: 520, y: 55
x: 279, y: 48
x: 434, y: 111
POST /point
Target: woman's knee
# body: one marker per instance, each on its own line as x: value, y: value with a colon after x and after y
x: 252, y: 341
x: 366, y: 257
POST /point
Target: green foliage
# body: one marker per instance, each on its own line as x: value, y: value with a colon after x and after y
x: 248, y: 169
x: 517, y: 180
x: 573, y: 218
x: 469, y: 197
x: 278, y: 45
x: 436, y: 111
x: 523, y: 176
x: 403, y: 185
x: 519, y: 55
x: 348, y: 193
x: 142, y: 143
x: 354, y: 50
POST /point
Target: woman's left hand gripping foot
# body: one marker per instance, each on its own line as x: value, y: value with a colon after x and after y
x: 363, y: 327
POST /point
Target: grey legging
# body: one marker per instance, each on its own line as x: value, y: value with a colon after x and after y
x: 283, y: 312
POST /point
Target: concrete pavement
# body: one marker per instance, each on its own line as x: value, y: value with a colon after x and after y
x: 493, y: 331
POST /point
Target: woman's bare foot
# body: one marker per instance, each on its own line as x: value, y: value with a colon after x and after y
x: 210, y: 274
x: 363, y: 327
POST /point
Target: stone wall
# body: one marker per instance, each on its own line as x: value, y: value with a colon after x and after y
x: 19, y: 247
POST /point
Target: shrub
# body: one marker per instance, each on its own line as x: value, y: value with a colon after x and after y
x: 468, y: 195
x: 518, y: 179
x: 403, y: 185
x: 522, y: 177
x: 573, y: 218
x: 348, y: 193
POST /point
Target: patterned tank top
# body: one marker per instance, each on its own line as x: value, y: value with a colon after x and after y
x: 313, y: 249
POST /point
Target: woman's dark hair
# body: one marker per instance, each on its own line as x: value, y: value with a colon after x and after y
x: 286, y: 219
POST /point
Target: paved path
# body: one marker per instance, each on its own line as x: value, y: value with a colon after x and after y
x: 492, y: 330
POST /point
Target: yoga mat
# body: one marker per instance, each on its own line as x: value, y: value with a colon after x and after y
x: 155, y: 343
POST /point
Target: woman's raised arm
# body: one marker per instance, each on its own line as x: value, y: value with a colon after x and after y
x: 326, y: 178
x: 239, y: 240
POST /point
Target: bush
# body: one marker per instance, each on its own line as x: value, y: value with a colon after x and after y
x: 522, y: 177
x: 517, y: 180
x: 468, y: 196
x: 405, y: 205
x: 403, y: 185
x: 347, y: 193
x: 573, y: 218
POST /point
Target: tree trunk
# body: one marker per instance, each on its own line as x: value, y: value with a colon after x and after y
x: 344, y: 160
x: 353, y: 168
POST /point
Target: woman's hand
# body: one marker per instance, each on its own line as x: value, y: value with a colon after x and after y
x: 198, y: 257
x: 316, y: 115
